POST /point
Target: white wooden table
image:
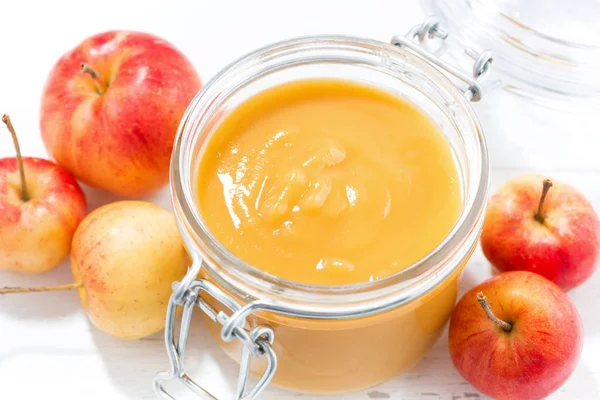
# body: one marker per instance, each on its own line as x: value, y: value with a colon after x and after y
x: 49, y: 350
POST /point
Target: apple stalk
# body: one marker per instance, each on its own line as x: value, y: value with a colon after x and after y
x: 19, y: 289
x: 101, y: 86
x: 24, y: 192
x: 506, y: 327
x: 539, y: 215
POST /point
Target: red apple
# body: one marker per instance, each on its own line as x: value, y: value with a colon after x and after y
x: 111, y: 108
x: 515, y: 336
x: 542, y: 226
x: 41, y: 206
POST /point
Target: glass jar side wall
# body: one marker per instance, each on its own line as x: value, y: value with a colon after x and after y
x: 324, y: 356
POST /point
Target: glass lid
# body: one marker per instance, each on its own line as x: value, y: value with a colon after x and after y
x: 540, y: 47
x: 575, y: 22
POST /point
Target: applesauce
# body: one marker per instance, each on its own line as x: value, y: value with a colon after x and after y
x: 359, y: 324
x: 328, y: 182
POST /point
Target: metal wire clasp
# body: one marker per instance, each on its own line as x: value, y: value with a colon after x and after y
x: 255, y: 342
x: 430, y: 29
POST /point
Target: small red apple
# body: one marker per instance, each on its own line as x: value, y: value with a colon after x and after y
x: 41, y: 206
x: 111, y: 108
x: 542, y: 226
x: 527, y: 347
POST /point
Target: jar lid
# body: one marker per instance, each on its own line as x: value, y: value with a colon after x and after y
x: 540, y: 47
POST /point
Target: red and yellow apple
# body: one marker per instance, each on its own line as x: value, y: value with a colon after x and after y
x: 41, y: 205
x: 111, y: 108
x: 516, y: 336
x: 125, y: 257
x: 542, y: 226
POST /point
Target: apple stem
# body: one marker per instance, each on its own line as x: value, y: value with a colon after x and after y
x: 539, y: 215
x: 98, y: 81
x: 488, y: 310
x: 11, y: 129
x: 18, y: 289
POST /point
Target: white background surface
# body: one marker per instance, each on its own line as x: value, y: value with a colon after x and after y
x: 48, y: 349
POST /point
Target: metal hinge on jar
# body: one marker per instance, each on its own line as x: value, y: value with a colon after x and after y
x: 430, y: 29
x: 255, y: 342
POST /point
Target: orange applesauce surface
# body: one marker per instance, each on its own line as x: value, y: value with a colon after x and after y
x: 328, y: 182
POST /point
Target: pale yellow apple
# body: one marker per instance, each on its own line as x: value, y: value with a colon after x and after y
x: 127, y: 254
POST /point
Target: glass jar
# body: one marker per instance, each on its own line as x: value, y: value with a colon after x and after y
x: 545, y: 90
x: 322, y: 338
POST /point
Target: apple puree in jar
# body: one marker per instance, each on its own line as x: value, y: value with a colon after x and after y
x: 330, y: 182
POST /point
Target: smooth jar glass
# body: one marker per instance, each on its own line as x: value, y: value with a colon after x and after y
x: 348, y: 337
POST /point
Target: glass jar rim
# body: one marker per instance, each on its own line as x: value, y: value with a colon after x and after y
x: 243, y: 279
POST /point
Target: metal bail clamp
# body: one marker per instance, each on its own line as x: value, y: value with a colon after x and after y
x: 255, y: 342
x: 430, y: 29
